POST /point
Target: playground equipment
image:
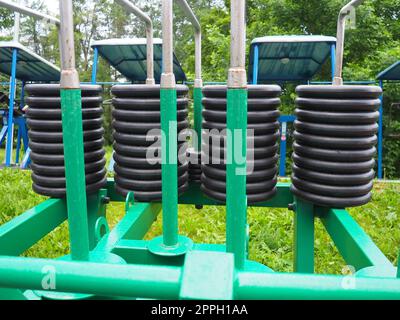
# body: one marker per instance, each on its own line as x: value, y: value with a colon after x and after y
x: 20, y: 63
x: 286, y: 59
x: 120, y: 264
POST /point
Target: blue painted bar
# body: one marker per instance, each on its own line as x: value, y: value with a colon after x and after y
x: 255, y: 65
x: 11, y: 109
x: 380, y: 135
x: 333, y: 60
x: 287, y: 118
x: 282, y: 162
x: 26, y: 160
x: 95, y: 64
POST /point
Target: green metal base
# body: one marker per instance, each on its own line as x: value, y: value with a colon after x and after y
x: 122, y: 265
x: 157, y: 247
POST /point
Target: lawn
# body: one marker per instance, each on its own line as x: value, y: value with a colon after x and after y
x: 271, y: 230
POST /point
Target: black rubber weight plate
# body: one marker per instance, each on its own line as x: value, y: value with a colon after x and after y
x: 253, y: 104
x: 144, y: 91
x: 254, y: 91
x: 254, y: 176
x: 252, y: 117
x: 60, y: 192
x: 334, y: 154
x: 332, y: 202
x: 148, y: 196
x: 338, y: 105
x: 53, y: 90
x: 44, y: 103
x: 336, y: 130
x: 333, y: 179
x: 335, y: 143
x: 145, y: 174
x: 343, y: 118
x: 143, y: 128
x: 58, y: 148
x: 56, y: 125
x: 145, y: 116
x: 55, y: 114
x: 333, y: 167
x: 143, y: 104
x: 57, y: 137
x: 339, y: 92
x: 59, y: 171
x: 251, y: 199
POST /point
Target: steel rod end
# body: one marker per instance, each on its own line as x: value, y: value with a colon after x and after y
x: 150, y: 81
x: 337, y: 81
x: 237, y: 78
x: 69, y: 79
x: 198, y: 83
x: 168, y: 81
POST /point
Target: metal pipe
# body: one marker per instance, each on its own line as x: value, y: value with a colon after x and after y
x: 236, y: 198
x: 341, y: 28
x: 168, y: 78
x: 277, y: 286
x: 149, y: 36
x: 198, y: 83
x: 237, y: 73
x: 28, y: 11
x: 17, y: 24
x: 69, y: 75
x: 71, y: 111
x: 158, y: 282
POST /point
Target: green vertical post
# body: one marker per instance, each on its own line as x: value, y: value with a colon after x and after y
x: 198, y: 108
x: 236, y: 198
x: 169, y: 166
x: 71, y: 107
x: 304, y: 237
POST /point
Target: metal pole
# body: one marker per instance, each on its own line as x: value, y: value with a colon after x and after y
x: 17, y: 24
x: 255, y: 65
x: 71, y: 107
x: 10, y: 132
x: 380, y: 135
x: 149, y: 36
x: 197, y: 38
x: 283, y: 146
x: 95, y: 63
x: 28, y: 11
x: 236, y: 199
x: 169, y: 132
x: 333, y: 61
x: 341, y: 28
x: 198, y: 82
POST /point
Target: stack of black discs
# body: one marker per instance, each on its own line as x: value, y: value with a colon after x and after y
x: 46, y: 140
x: 262, y: 157
x: 194, y: 165
x: 334, y: 147
x: 137, y: 140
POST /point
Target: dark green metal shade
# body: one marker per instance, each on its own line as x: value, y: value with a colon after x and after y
x: 290, y: 58
x: 391, y: 73
x: 30, y: 66
x: 128, y: 56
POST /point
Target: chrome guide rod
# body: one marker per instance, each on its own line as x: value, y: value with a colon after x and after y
x: 341, y: 30
x: 149, y: 36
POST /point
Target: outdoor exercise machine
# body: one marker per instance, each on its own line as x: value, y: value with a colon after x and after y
x: 119, y: 263
x: 288, y: 59
x: 22, y: 64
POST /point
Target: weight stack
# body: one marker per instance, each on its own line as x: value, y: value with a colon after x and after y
x: 137, y: 150
x: 194, y: 165
x: 46, y: 140
x: 263, y: 114
x: 334, y: 144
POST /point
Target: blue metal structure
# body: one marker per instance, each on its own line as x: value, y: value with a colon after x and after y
x: 20, y: 64
x: 283, y: 59
x: 390, y: 74
x: 128, y: 57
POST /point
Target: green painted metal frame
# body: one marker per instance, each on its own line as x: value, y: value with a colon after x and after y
x: 148, y: 275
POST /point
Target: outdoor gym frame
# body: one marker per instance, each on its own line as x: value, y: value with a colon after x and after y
x: 120, y: 264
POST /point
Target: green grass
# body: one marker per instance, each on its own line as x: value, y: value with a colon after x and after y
x: 271, y: 230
